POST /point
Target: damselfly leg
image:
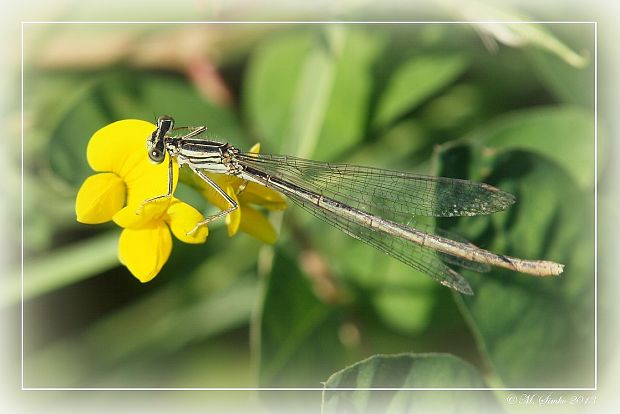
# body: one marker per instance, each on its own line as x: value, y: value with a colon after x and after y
x: 160, y: 197
x: 220, y: 191
x: 193, y: 131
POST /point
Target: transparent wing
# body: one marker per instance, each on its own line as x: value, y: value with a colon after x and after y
x: 425, y: 260
x: 392, y: 195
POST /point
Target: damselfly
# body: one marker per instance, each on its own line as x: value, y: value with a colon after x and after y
x: 373, y: 205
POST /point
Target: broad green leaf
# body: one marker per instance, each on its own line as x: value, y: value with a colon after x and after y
x: 273, y: 73
x: 312, y: 93
x: 414, y: 81
x: 563, y: 134
x: 308, y: 93
x: 529, y: 327
x: 408, y: 370
x: 299, y: 344
x: 346, y: 112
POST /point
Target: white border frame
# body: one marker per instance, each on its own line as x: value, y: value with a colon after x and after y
x: 595, y: 388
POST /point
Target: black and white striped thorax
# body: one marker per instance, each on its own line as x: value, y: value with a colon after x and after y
x: 210, y: 156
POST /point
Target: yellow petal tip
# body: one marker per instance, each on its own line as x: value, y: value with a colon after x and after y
x: 99, y: 198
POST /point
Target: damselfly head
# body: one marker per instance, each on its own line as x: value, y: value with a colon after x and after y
x: 155, y: 145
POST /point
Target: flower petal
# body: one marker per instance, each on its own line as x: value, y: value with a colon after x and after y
x: 262, y: 196
x: 233, y: 218
x: 255, y: 148
x: 120, y: 147
x: 99, y: 198
x: 145, y: 251
x: 147, y: 180
x: 135, y: 216
x: 182, y: 218
x: 256, y: 225
x: 114, y: 147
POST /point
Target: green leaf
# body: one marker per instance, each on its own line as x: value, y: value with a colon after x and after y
x: 563, y: 134
x: 414, y: 81
x: 308, y: 93
x: 407, y: 371
x: 538, y: 324
x: 534, y: 332
x: 299, y: 345
x: 273, y: 73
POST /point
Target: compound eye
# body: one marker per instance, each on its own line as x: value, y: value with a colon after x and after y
x: 156, y: 155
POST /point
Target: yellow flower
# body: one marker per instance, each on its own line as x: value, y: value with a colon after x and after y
x: 245, y: 218
x: 125, y: 180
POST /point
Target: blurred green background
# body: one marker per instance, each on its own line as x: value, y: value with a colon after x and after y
x: 511, y: 105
